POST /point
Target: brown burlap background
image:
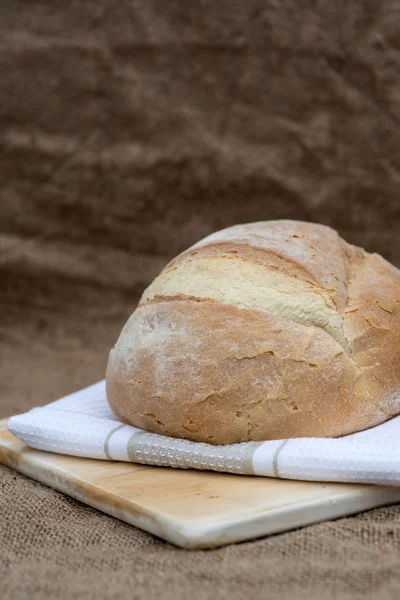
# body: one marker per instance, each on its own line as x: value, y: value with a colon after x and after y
x: 128, y: 130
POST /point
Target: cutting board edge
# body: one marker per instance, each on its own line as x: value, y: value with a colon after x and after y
x: 289, y: 518
x: 189, y: 535
x: 164, y: 527
x: 204, y: 536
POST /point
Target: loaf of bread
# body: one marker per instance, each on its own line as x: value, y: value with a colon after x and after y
x: 262, y: 331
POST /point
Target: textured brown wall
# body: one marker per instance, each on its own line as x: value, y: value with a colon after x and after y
x: 129, y: 130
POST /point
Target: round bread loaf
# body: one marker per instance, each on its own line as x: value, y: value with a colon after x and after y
x: 262, y: 331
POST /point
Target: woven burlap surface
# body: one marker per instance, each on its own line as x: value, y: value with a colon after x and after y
x: 128, y: 130
x: 54, y: 547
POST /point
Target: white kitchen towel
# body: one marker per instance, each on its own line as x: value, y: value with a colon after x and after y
x: 82, y: 424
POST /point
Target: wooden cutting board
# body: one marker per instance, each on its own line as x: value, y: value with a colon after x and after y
x: 192, y: 509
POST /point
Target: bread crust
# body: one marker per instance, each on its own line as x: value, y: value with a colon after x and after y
x: 211, y: 371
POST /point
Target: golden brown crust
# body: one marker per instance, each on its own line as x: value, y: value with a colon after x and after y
x: 210, y: 371
x: 221, y: 374
x: 372, y: 326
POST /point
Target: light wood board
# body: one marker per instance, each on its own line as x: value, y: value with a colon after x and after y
x: 192, y: 509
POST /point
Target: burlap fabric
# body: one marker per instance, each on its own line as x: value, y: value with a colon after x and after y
x: 128, y: 130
